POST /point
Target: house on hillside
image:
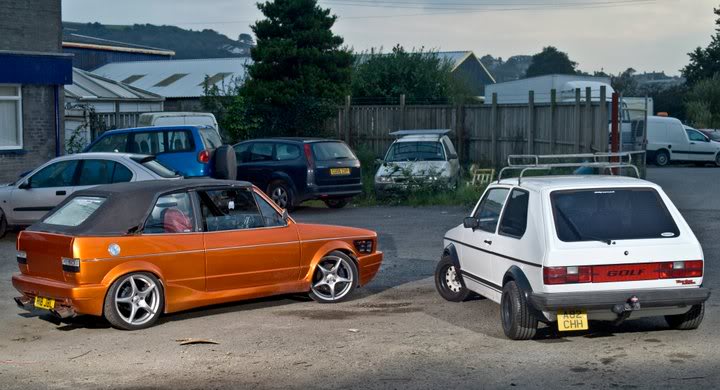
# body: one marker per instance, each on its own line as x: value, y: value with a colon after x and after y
x: 91, y: 53
x: 33, y: 70
x: 94, y: 104
x: 180, y: 82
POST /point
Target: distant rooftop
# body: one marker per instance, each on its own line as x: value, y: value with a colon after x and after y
x: 176, y: 78
x: 72, y: 40
x: 87, y: 86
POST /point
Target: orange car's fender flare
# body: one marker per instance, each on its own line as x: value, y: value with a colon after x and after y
x: 328, y: 247
x: 130, y: 267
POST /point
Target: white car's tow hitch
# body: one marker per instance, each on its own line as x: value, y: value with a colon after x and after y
x: 623, y: 310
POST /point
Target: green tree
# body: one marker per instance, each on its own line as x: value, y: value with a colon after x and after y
x: 551, y: 61
x: 422, y: 76
x: 703, y: 103
x: 705, y: 63
x: 625, y: 82
x: 301, y: 70
x: 230, y: 109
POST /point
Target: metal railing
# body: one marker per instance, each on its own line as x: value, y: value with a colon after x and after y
x: 602, y: 161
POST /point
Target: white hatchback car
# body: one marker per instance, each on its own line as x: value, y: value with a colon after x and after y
x: 569, y: 249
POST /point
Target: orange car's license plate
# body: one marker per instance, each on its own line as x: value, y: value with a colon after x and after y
x: 339, y: 171
x: 44, y: 303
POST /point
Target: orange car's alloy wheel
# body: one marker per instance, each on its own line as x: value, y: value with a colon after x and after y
x: 334, y: 278
x: 134, y: 301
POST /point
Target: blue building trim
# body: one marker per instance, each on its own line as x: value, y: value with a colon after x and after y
x: 35, y: 68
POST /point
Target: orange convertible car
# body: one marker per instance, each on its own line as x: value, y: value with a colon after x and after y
x: 132, y: 251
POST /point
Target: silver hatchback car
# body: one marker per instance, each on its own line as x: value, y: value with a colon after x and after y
x: 30, y: 197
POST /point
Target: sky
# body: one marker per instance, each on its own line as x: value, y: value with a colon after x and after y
x: 647, y: 35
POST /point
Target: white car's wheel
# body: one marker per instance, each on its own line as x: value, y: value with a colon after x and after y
x: 518, y: 321
x: 448, y: 283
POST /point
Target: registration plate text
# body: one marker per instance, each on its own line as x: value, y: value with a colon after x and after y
x: 339, y: 171
x: 569, y: 320
x: 44, y: 303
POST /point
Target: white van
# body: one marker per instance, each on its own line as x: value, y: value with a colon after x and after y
x: 178, y: 118
x: 668, y: 140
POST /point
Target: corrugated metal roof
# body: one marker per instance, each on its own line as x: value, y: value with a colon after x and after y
x: 89, y: 86
x: 188, y: 86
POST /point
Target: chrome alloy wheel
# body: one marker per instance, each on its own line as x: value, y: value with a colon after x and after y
x: 333, y: 278
x: 137, y: 299
x: 451, y: 280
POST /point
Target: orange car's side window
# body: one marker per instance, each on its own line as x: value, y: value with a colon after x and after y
x: 172, y: 214
x: 229, y: 209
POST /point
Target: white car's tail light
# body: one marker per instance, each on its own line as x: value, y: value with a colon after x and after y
x: 681, y: 269
x: 567, y: 275
x: 623, y: 272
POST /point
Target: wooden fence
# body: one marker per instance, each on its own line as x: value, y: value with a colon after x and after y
x: 486, y: 133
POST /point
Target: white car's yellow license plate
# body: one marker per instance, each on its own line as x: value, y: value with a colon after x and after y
x: 569, y: 320
x: 339, y: 171
x: 44, y: 303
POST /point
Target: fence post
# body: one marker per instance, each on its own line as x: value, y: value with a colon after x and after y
x: 530, y: 131
x: 402, y: 112
x: 588, y: 118
x: 494, y: 131
x: 346, y: 130
x: 578, y: 122
x: 553, y: 120
x: 460, y: 131
x: 604, y: 116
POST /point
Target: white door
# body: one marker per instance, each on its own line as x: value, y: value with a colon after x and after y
x: 42, y: 191
x: 678, y: 141
x: 701, y: 149
x: 477, y: 254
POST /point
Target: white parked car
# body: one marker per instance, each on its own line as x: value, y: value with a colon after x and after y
x: 668, y: 140
x: 569, y: 249
x: 178, y: 119
x: 418, y: 156
x: 28, y: 199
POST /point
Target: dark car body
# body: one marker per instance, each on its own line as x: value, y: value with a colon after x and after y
x: 186, y: 149
x: 713, y: 134
x: 293, y: 170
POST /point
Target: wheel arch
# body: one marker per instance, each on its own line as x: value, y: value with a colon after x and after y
x: 327, y: 248
x: 284, y: 177
x: 514, y: 273
x: 451, y: 252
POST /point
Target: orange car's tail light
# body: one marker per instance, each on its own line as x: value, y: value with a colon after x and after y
x: 21, y: 257
x: 364, y: 246
x: 70, y: 265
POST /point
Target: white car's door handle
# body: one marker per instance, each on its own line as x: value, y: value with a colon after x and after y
x: 488, y: 242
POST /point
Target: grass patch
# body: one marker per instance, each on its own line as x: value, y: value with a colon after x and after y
x: 464, y: 195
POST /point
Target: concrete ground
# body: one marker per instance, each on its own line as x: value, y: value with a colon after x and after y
x: 396, y: 333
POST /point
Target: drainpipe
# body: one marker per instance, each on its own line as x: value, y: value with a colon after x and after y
x: 57, y: 120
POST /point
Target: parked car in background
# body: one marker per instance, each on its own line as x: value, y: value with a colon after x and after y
x: 713, y: 134
x: 668, y: 140
x: 565, y: 250
x: 418, y: 156
x: 131, y: 252
x: 26, y: 200
x: 293, y: 170
x: 178, y: 119
x: 192, y: 151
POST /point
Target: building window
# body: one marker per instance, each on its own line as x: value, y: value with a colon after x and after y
x: 11, y: 136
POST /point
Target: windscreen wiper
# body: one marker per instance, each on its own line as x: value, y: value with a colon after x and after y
x: 577, y: 232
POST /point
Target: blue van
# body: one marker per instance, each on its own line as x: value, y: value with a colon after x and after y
x: 189, y: 150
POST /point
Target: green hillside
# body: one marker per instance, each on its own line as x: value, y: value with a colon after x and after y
x: 185, y: 43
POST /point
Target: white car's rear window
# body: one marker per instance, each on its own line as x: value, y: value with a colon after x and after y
x: 75, y: 212
x: 611, y: 214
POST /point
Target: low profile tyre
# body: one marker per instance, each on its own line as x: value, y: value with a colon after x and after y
x: 717, y: 160
x: 281, y: 194
x: 3, y: 224
x: 448, y: 283
x: 689, y: 320
x: 662, y: 158
x: 135, y: 301
x: 335, y: 278
x: 518, y: 321
x: 336, y: 203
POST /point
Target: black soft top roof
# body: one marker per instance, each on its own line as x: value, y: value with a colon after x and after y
x: 126, y: 205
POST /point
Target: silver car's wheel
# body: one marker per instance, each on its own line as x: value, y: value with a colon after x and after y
x: 334, y: 279
x: 134, y: 301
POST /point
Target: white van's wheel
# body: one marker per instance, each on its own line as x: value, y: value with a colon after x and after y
x: 662, y: 158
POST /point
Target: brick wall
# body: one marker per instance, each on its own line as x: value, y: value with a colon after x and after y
x: 30, y: 25
x: 38, y: 133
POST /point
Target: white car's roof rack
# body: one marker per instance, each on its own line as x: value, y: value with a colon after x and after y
x: 437, y: 132
x: 519, y: 162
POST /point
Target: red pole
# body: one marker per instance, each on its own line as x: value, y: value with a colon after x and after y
x: 615, y: 146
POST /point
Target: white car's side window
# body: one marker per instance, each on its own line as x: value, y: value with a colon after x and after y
x: 488, y: 213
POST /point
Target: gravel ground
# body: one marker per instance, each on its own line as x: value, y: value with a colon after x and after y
x: 396, y: 333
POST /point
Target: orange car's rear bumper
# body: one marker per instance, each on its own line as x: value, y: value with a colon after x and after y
x: 87, y: 299
x: 369, y: 266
